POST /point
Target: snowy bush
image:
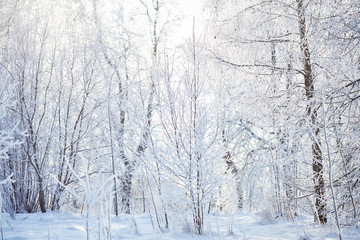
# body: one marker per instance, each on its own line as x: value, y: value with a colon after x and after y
x: 3, y: 182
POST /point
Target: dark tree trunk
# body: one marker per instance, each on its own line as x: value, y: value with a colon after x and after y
x: 317, y: 164
x: 41, y: 197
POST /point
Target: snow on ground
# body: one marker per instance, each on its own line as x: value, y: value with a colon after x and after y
x: 245, y: 226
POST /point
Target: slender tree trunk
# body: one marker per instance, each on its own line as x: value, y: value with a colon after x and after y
x: 161, y: 197
x: 87, y: 221
x: 330, y: 173
x: 317, y: 164
x: 112, y: 152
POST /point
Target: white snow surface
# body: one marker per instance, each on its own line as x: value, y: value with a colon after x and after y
x: 247, y: 226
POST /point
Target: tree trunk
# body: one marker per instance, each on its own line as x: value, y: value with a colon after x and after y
x: 317, y: 164
x: 126, y: 185
x: 41, y: 196
x: 55, y: 202
x: 235, y: 172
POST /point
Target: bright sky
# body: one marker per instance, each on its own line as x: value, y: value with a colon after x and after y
x: 190, y: 9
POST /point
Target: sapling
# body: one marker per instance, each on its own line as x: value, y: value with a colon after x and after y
x: 94, y: 192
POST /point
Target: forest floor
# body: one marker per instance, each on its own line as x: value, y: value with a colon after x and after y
x: 245, y: 226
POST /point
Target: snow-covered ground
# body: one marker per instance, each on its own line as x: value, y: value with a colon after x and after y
x: 245, y: 226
